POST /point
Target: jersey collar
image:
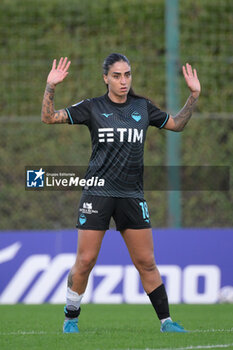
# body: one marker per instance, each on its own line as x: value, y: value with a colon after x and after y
x: 117, y: 104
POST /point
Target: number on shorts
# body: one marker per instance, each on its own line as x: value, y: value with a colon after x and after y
x: 145, y: 212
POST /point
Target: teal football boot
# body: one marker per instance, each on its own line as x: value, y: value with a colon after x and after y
x: 71, y: 322
x: 71, y: 326
x: 172, y: 327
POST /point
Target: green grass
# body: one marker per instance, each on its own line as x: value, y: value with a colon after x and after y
x: 114, y: 327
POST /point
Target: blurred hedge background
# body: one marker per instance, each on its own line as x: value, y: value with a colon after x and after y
x: 32, y: 33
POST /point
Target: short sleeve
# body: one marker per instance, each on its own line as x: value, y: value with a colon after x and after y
x: 157, y: 117
x: 80, y: 112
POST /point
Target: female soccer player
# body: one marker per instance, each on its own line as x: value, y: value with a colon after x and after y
x: 118, y: 122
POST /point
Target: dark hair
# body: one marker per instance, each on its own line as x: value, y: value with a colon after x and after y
x: 110, y: 60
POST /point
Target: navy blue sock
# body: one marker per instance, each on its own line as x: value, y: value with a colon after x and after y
x: 159, y: 300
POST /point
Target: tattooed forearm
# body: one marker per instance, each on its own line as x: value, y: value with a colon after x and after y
x: 48, y: 114
x: 183, y: 116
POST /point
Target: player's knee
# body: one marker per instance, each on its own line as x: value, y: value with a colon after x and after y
x: 85, y: 263
x: 146, y: 265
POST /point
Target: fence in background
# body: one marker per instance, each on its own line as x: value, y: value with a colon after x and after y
x: 33, y: 33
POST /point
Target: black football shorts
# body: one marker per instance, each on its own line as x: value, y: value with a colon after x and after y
x: 95, y: 212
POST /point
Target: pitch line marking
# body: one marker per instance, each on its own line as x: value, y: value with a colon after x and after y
x: 210, y: 330
x: 214, y: 346
x: 26, y: 333
x: 191, y: 331
x: 189, y: 347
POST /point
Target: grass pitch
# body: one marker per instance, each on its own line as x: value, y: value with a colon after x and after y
x: 118, y: 327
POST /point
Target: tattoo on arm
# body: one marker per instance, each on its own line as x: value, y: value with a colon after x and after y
x: 48, y: 114
x: 61, y: 116
x: 183, y: 116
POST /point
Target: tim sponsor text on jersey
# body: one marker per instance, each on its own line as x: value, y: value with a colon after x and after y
x: 124, y: 134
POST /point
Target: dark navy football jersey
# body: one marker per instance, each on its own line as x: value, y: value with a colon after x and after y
x: 118, y: 132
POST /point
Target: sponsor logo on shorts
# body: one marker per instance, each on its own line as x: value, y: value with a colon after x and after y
x: 87, y: 205
x: 87, y: 209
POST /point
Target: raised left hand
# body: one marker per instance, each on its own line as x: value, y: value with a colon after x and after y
x: 192, y: 80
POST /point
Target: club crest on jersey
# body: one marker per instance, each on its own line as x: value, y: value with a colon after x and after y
x: 136, y: 116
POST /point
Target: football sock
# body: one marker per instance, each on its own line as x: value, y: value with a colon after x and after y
x: 73, y: 300
x: 158, y: 298
x: 165, y: 319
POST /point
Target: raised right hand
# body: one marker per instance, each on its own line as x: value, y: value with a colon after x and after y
x: 57, y: 75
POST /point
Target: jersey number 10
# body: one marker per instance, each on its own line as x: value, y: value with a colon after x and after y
x: 145, y: 212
